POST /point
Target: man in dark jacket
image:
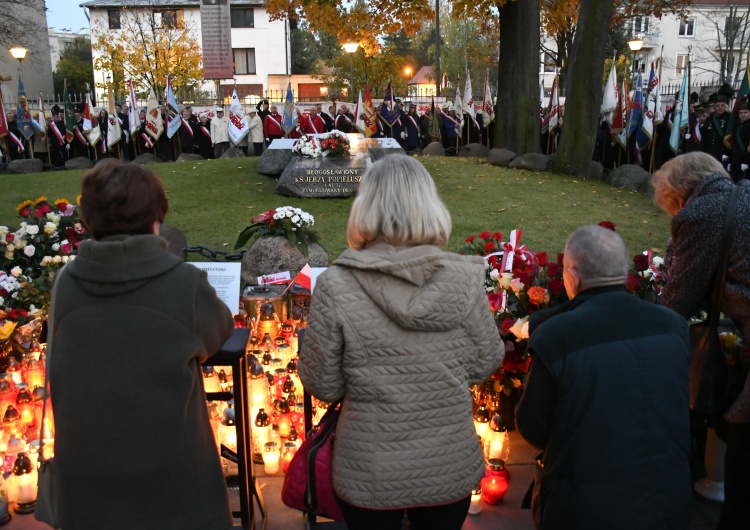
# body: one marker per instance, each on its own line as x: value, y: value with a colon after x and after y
x: 714, y: 130
x: 607, y: 400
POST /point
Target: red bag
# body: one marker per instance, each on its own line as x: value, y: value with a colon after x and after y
x: 308, y: 485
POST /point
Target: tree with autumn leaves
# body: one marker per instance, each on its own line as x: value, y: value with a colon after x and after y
x: 147, y: 49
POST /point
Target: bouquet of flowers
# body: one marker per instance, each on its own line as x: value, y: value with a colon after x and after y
x: 518, y: 283
x: 48, y: 237
x: 307, y: 146
x: 289, y: 222
x: 647, y: 277
x: 335, y: 143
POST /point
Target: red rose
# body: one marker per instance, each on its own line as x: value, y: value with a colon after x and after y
x: 62, y: 206
x: 525, y: 278
x: 15, y: 314
x: 507, y: 324
x: 556, y: 287
x: 470, y: 239
x: 554, y: 269
x: 496, y: 301
x: 492, y: 260
x: 489, y: 246
x: 634, y: 283
x: 44, y: 208
x: 38, y: 213
x: 609, y: 225
x: 513, y: 362
x: 640, y: 262
x: 560, y: 258
x: 497, y: 236
x: 542, y: 259
x: 25, y: 212
x: 10, y: 237
x: 66, y: 249
x: 485, y: 235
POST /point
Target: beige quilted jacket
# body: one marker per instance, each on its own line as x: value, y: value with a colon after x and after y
x: 401, y: 334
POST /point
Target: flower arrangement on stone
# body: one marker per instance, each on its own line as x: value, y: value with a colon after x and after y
x: 47, y: 238
x: 518, y: 282
x: 287, y: 221
x: 307, y: 146
x: 335, y: 143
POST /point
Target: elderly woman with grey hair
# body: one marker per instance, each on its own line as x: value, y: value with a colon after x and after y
x: 400, y: 329
x: 694, y: 190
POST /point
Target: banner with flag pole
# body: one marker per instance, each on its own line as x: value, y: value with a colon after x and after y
x: 371, y: 119
x: 488, y: 108
x: 40, y: 124
x: 609, y: 101
x: 154, y: 121
x: 71, y: 127
x: 289, y: 115
x: 734, y: 119
x: 114, y: 129
x: 388, y: 110
x: 620, y: 120
x: 434, y: 122
x: 23, y: 115
x: 134, y: 121
x: 681, y: 115
x: 646, y: 131
x: 238, y: 125
x: 173, y: 115
x: 360, y: 120
x: 90, y: 122
x: 3, y: 119
x: 469, y: 98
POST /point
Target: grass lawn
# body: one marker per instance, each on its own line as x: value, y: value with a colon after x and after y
x: 213, y: 200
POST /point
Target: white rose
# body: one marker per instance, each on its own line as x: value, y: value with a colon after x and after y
x: 46, y: 260
x: 56, y: 259
x: 32, y: 309
x: 56, y: 246
x: 521, y: 329
x: 2, y: 301
x: 16, y: 271
x: 29, y: 250
x: 3, y: 230
x: 33, y: 230
x: 517, y: 285
x: 658, y: 261
x: 9, y: 254
x: 494, y: 275
x: 65, y: 259
x: 50, y: 228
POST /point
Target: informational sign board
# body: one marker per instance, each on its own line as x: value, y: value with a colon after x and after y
x: 216, y: 39
x: 225, y: 278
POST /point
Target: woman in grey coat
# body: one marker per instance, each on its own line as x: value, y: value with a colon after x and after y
x: 400, y: 329
x: 694, y: 190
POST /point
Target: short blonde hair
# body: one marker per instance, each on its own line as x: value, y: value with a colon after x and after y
x: 677, y: 179
x: 398, y: 202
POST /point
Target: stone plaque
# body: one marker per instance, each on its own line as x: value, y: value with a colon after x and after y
x: 323, y: 176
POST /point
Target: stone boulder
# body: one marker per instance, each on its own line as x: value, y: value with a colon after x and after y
x: 500, y: 157
x: 275, y: 254
x: 596, y: 170
x: 176, y: 239
x: 26, y: 165
x: 474, y: 151
x: 434, y: 149
x: 189, y: 157
x: 147, y: 158
x: 629, y: 176
x: 376, y: 153
x: 323, y: 177
x: 233, y: 152
x: 530, y: 161
x: 79, y: 162
x: 273, y: 161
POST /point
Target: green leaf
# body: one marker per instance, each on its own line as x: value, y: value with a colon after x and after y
x: 302, y: 246
x: 245, y: 236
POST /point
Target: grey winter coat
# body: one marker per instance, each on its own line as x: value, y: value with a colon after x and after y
x: 693, y: 253
x: 401, y: 334
x: 133, y: 442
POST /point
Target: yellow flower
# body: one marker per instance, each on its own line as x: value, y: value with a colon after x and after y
x: 24, y: 204
x: 78, y: 200
x: 39, y: 200
x: 730, y: 340
x: 62, y: 201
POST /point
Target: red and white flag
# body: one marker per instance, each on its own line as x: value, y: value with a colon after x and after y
x: 154, y: 121
x: 133, y: 121
x: 468, y: 103
x: 238, y: 126
x: 90, y: 123
x: 304, y: 278
x: 488, y: 109
x: 609, y: 101
x: 3, y: 120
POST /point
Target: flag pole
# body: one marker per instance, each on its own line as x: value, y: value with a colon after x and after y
x: 656, y: 111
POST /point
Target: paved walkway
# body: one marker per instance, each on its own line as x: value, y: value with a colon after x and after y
x: 505, y: 516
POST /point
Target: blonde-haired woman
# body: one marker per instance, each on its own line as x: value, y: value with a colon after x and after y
x: 400, y: 329
x: 694, y: 190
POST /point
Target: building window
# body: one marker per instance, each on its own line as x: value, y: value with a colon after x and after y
x: 243, y: 17
x: 548, y: 64
x: 244, y: 60
x: 687, y: 27
x: 114, y: 18
x: 682, y: 63
x: 638, y: 26
x: 732, y: 27
x: 171, y: 18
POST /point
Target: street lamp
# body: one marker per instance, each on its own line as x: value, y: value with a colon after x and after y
x: 635, y: 45
x: 18, y: 52
x: 407, y: 73
x: 350, y: 48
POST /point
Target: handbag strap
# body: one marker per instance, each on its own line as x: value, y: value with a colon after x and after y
x: 327, y: 428
x: 50, y: 334
x: 721, y: 269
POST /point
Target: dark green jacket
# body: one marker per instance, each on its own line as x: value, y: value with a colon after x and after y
x: 133, y: 441
x: 607, y: 400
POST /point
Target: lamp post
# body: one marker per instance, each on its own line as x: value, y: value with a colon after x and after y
x: 18, y: 52
x: 635, y: 45
x: 407, y: 73
x: 350, y: 48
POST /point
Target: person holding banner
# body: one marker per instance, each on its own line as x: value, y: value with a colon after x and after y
x: 145, y: 143
x: 220, y: 133
x: 255, y: 136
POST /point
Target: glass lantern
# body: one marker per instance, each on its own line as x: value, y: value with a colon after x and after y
x: 482, y: 421
x: 210, y: 380
x: 262, y: 430
x: 283, y: 418
x: 5, y: 515
x: 24, y: 478
x: 25, y: 405
x: 271, y: 456
x: 496, y: 444
x: 14, y: 369
x: 34, y: 374
x: 287, y: 453
x: 259, y: 389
